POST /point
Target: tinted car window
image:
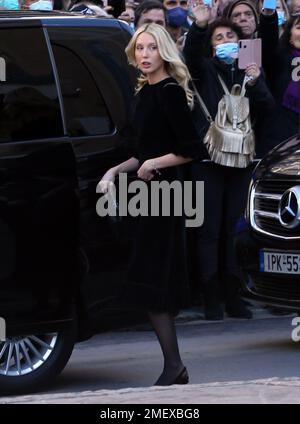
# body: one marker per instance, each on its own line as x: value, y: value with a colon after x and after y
x: 85, y: 110
x: 29, y: 106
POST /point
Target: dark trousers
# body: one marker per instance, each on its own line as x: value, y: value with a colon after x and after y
x: 225, y: 196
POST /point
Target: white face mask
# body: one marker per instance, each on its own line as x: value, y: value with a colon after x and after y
x: 41, y: 5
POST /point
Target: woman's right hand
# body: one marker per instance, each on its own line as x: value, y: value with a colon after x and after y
x: 107, y: 179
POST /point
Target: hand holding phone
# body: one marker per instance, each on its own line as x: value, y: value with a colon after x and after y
x: 252, y: 73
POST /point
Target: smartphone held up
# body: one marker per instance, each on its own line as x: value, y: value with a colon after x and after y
x: 269, y: 4
x: 249, y: 53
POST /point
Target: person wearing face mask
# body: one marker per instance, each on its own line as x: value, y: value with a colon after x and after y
x: 225, y: 187
x: 283, y: 14
x: 177, y: 14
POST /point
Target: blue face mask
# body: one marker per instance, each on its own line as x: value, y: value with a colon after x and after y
x: 281, y: 17
x: 227, y: 52
x: 41, y: 5
x: 177, y: 17
x: 10, y: 4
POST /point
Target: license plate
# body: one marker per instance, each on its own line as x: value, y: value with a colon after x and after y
x: 280, y: 262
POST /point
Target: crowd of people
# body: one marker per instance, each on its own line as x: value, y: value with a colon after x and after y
x: 186, y: 50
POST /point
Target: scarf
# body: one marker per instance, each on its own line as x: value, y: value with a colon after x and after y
x: 291, y: 96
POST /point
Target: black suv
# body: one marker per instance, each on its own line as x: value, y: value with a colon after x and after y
x: 269, y: 249
x: 65, y: 96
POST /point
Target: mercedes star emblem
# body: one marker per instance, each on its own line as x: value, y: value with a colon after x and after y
x: 289, y: 208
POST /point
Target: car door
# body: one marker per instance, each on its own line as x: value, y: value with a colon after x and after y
x: 38, y: 198
x: 97, y: 89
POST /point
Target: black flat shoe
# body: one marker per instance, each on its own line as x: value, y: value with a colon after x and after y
x: 182, y: 378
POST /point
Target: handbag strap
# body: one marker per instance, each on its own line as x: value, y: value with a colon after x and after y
x: 202, y: 104
x: 224, y: 86
x: 243, y: 91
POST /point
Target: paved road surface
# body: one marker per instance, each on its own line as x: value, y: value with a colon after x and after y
x: 233, y: 361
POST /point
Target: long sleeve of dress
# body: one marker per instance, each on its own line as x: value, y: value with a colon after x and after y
x: 178, y: 114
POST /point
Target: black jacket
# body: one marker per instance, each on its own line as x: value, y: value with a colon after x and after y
x: 205, y: 72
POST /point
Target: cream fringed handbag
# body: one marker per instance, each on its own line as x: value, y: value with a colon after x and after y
x: 230, y: 138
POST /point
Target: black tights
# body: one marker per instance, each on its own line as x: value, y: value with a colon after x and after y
x: 164, y: 327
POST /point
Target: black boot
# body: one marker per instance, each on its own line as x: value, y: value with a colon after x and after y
x: 234, y: 304
x: 212, y: 299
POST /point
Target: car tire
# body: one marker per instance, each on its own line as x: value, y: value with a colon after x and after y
x: 47, y: 355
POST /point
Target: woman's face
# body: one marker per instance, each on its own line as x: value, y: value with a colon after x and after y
x: 279, y: 5
x: 295, y: 35
x: 223, y: 35
x: 295, y: 6
x: 147, y: 56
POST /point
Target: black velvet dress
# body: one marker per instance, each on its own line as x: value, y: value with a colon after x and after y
x: 157, y: 278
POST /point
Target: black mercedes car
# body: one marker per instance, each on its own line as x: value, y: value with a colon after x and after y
x: 268, y: 247
x: 65, y: 95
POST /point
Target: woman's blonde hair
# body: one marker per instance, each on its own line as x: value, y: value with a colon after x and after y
x: 174, y: 66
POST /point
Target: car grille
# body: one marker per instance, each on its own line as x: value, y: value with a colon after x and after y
x: 278, y: 287
x: 264, y: 203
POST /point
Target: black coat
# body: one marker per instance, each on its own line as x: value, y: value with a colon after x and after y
x: 282, y: 122
x: 205, y: 72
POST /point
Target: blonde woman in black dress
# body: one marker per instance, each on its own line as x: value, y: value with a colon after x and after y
x: 166, y: 140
